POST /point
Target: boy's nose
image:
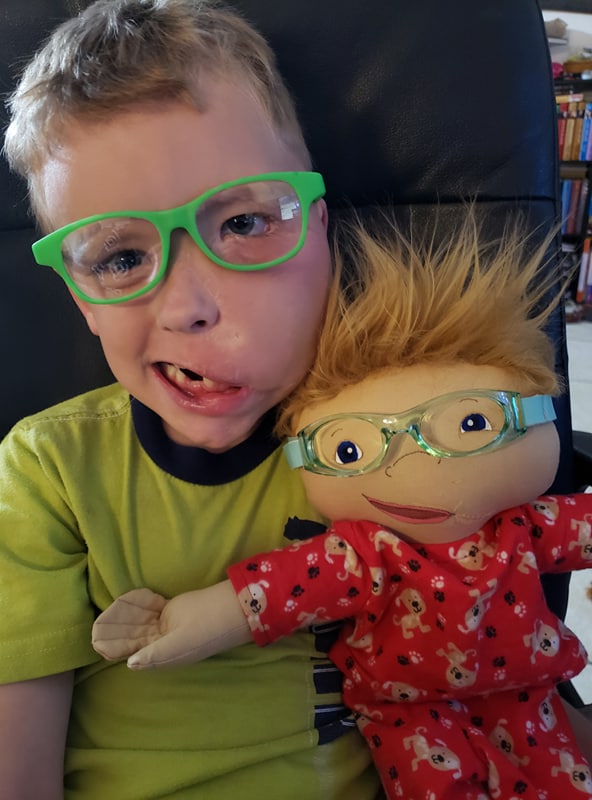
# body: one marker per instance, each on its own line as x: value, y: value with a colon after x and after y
x: 186, y: 298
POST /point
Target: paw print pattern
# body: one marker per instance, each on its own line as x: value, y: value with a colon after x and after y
x: 520, y: 610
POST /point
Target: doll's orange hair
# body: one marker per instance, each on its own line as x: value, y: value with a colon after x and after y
x: 462, y: 299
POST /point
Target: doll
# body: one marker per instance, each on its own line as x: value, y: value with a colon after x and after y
x: 425, y: 430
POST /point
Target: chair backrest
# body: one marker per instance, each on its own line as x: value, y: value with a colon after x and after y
x: 46, y: 349
x: 418, y: 105
x: 407, y: 104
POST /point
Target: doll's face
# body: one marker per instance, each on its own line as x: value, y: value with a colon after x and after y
x: 420, y: 496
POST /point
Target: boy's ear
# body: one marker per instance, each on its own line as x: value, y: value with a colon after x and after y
x: 87, y: 312
x: 323, y: 212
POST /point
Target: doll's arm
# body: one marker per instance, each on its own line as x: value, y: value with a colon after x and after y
x: 151, y: 631
x: 562, y: 533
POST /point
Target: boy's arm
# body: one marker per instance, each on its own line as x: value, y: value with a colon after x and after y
x: 156, y: 632
x: 33, y: 724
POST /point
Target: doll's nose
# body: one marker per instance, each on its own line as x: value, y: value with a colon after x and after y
x: 401, y: 447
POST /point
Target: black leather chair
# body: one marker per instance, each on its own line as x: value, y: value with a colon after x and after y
x: 410, y: 105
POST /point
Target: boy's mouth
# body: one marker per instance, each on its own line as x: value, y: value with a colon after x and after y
x: 190, y: 382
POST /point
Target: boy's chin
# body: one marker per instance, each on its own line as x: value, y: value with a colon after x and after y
x: 214, y: 436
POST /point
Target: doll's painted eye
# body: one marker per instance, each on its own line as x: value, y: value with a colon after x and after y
x: 347, y: 452
x: 475, y: 422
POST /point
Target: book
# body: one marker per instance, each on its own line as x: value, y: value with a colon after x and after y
x: 571, y: 221
x: 588, y: 287
x: 561, y: 123
x: 569, y: 131
x: 577, y: 132
x: 568, y: 98
x: 588, y: 156
x: 566, y: 187
x: 582, y: 209
x: 583, y: 271
x: 585, y: 132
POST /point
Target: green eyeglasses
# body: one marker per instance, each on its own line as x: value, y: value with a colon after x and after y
x: 449, y: 426
x: 251, y: 223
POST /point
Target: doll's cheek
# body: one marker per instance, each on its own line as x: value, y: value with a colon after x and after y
x: 334, y: 498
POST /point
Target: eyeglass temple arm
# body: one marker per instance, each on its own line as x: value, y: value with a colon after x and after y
x: 538, y: 410
x: 294, y: 452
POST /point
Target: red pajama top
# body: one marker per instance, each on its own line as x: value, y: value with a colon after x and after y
x: 432, y: 623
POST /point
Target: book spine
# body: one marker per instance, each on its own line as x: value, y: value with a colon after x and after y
x: 588, y: 289
x: 569, y: 132
x: 561, y: 123
x: 588, y: 156
x: 586, y: 132
x: 570, y: 227
x: 581, y: 213
x: 584, y: 271
x: 577, y: 132
x: 566, y: 187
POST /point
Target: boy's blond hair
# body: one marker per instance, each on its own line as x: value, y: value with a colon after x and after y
x: 460, y: 300
x: 119, y: 55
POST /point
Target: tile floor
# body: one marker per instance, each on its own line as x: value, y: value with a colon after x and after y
x: 579, y: 614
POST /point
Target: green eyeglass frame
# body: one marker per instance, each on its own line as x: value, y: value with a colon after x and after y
x: 308, y: 186
x: 520, y: 413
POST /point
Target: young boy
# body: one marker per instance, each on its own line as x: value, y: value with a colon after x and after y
x: 136, y: 126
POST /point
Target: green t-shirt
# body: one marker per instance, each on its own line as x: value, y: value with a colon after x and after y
x: 94, y: 501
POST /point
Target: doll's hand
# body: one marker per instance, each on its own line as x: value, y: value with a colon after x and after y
x: 151, y: 631
x: 129, y: 623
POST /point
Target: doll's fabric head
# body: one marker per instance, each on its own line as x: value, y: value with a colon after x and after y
x: 413, y: 300
x: 433, y: 340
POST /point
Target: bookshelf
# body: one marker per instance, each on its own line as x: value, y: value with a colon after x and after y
x: 574, y: 139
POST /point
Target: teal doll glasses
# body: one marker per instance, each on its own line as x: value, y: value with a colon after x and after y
x: 449, y: 426
x: 247, y: 224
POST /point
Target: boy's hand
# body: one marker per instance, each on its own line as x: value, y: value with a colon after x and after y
x: 151, y: 631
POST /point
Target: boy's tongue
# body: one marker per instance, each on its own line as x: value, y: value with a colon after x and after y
x: 191, y: 383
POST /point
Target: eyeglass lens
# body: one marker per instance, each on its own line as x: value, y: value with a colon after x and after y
x: 244, y: 225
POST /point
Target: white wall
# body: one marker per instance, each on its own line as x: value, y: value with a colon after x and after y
x: 579, y: 34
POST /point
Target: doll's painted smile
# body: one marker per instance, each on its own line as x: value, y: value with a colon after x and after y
x: 409, y: 513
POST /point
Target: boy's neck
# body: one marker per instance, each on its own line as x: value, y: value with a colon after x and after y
x: 195, y: 464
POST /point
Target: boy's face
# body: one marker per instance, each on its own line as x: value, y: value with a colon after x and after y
x: 247, y: 338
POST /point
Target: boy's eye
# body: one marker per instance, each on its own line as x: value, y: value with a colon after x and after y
x: 121, y: 268
x: 119, y: 264
x: 475, y: 422
x: 245, y: 225
x: 347, y: 452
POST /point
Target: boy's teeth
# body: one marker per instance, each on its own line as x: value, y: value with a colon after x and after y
x: 186, y: 377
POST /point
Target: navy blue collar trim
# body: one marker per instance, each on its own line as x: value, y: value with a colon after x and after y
x: 195, y: 465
